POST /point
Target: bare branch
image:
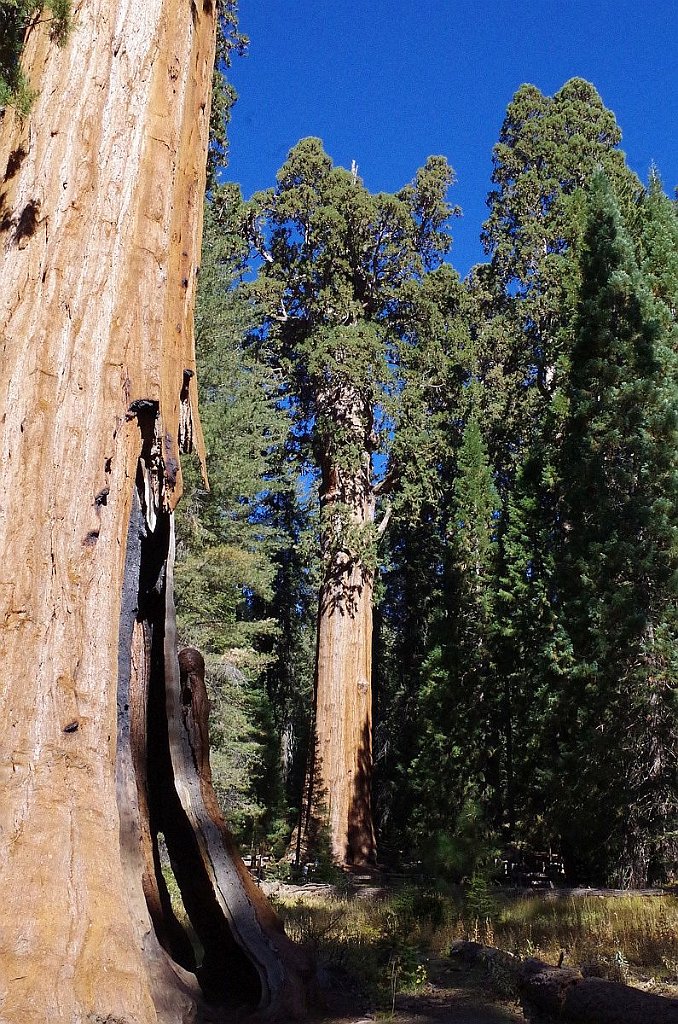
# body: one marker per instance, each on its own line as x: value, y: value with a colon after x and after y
x: 381, y: 529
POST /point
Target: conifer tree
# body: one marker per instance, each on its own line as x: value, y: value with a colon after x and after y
x: 458, y: 718
x: 548, y: 150
x: 339, y: 269
x: 227, y: 542
x: 657, y: 235
x: 618, y: 569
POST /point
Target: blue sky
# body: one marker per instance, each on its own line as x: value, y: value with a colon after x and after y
x: 388, y: 84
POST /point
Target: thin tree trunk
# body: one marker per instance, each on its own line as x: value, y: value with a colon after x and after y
x: 101, y: 193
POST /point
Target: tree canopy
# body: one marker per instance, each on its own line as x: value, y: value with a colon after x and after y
x: 495, y: 459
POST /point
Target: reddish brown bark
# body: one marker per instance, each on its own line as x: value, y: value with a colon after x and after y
x: 101, y: 194
x: 343, y: 713
x: 340, y: 775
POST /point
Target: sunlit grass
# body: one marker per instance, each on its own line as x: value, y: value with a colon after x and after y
x: 626, y: 938
x: 594, y: 930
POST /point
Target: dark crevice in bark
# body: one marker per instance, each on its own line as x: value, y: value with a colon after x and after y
x: 237, y: 948
x: 225, y: 973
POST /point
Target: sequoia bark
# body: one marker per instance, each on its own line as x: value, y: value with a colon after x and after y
x: 101, y: 195
x: 340, y: 774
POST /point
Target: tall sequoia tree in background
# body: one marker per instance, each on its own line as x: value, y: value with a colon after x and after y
x: 339, y: 266
x: 103, y: 746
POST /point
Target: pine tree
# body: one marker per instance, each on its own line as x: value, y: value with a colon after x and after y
x: 618, y: 569
x: 436, y: 364
x: 227, y: 541
x: 457, y: 765
x: 657, y: 234
x: 549, y: 149
x: 531, y: 655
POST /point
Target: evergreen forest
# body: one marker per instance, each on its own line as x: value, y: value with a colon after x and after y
x: 323, y: 560
x: 492, y: 459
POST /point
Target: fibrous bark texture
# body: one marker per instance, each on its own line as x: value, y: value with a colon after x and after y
x: 343, y: 717
x: 340, y: 773
x: 101, y: 194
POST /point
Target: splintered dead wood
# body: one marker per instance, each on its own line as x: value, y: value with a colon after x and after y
x: 284, y: 971
x: 237, y: 948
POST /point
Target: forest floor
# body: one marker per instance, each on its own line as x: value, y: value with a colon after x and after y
x: 454, y: 994
x: 384, y: 950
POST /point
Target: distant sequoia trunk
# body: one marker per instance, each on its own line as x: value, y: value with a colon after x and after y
x: 338, y: 788
x: 104, y: 731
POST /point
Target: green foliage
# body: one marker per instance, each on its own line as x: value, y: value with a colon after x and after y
x: 230, y: 42
x: 343, y: 283
x: 450, y: 711
x: 525, y: 323
x: 243, y: 754
x: 630, y: 938
x: 336, y: 278
x: 225, y: 542
x: 490, y: 692
x: 522, y: 428
x: 479, y: 899
x: 619, y: 558
x: 548, y: 150
x: 473, y: 527
x: 289, y: 674
x: 15, y: 17
x: 657, y: 235
x: 228, y: 540
x: 467, y: 848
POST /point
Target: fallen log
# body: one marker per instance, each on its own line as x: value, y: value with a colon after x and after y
x: 564, y: 994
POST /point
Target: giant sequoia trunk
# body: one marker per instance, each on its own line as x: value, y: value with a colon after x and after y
x: 100, y: 215
x: 340, y: 775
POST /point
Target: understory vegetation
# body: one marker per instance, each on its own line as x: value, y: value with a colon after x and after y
x: 396, y: 940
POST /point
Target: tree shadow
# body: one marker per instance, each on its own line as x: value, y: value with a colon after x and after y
x: 361, y: 844
x: 343, y: 585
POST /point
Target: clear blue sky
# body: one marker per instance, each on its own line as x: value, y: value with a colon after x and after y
x: 389, y: 83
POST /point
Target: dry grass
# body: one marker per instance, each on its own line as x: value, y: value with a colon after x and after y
x: 626, y: 938
x: 643, y: 929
